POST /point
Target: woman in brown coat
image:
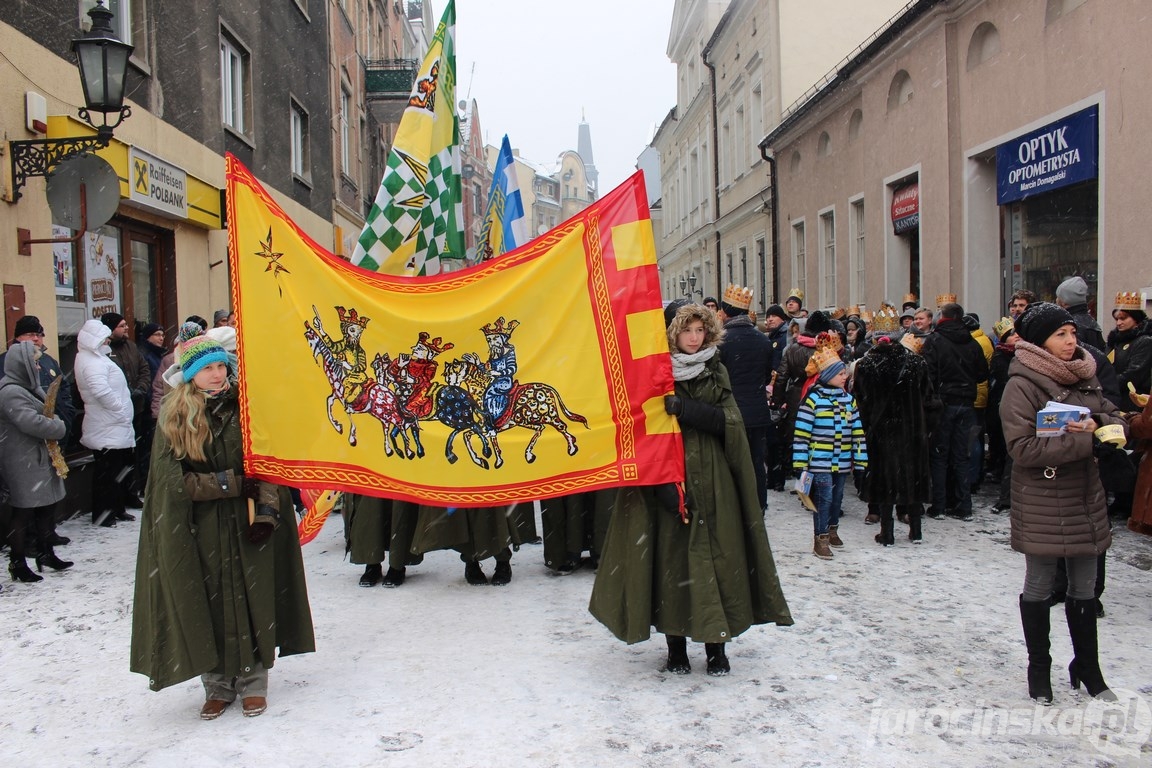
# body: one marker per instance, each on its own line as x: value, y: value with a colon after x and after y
x: 1058, y: 506
x: 1141, y: 431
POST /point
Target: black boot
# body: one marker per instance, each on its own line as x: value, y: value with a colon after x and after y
x: 371, y: 575
x: 718, y: 665
x: 502, y: 575
x: 1085, y: 667
x: 677, y: 655
x: 1034, y: 618
x: 914, y: 533
x: 473, y: 574
x: 21, y: 572
x: 48, y: 558
x: 886, y: 536
x: 394, y: 577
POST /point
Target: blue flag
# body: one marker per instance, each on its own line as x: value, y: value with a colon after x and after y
x: 505, y: 227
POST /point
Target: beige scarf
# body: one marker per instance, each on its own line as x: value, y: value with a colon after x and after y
x: 1081, y: 366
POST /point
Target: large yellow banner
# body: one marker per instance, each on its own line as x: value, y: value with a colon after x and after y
x: 534, y: 375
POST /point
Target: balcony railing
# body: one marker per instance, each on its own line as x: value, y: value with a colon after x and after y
x: 389, y: 78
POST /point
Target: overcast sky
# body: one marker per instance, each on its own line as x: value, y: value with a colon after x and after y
x: 541, y: 64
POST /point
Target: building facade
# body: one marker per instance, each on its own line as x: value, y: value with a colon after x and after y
x: 973, y: 148
x: 738, y: 64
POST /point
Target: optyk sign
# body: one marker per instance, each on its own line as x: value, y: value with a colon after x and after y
x: 1057, y: 155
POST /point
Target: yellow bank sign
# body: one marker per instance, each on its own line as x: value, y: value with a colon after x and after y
x: 157, y: 184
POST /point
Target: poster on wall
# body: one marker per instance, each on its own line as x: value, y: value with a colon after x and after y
x: 101, y: 273
x: 63, y: 266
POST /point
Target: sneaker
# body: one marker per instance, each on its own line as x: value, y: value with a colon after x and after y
x: 474, y: 574
x: 502, y: 575
x: 958, y: 514
x: 935, y: 513
x: 371, y: 575
x: 394, y: 577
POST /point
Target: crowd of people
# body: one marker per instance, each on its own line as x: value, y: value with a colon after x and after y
x: 916, y: 407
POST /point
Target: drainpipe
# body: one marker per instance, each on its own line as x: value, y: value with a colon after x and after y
x: 772, y: 211
x: 715, y: 156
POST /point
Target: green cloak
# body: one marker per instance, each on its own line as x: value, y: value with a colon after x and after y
x: 709, y: 579
x: 206, y: 599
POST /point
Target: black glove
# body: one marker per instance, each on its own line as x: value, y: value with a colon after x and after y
x: 673, y: 405
x: 260, y: 532
x: 670, y: 497
x: 250, y: 487
x: 701, y: 416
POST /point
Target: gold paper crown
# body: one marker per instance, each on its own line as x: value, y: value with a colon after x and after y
x: 1129, y: 301
x: 910, y: 298
x: 351, y: 317
x: 796, y: 293
x: 500, y: 329
x: 866, y: 316
x: 837, y: 313
x: 827, y: 352
x: 887, y: 320
x: 853, y: 310
x: 1002, y: 327
x: 945, y: 298
x: 738, y: 297
x: 912, y: 342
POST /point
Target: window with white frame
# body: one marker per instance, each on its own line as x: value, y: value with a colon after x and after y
x: 744, y: 266
x: 828, y: 259
x: 859, y: 267
x: 299, y: 141
x: 345, y: 131
x: 728, y: 264
x: 741, y: 140
x: 234, y: 81
x: 799, y: 257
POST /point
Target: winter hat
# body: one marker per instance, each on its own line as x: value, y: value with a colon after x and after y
x: 971, y: 322
x: 1003, y: 327
x: 1072, y: 291
x: 28, y: 324
x: 670, y: 310
x: 188, y: 331
x: 111, y: 319
x: 148, y: 330
x: 225, y: 336
x: 199, y: 352
x: 818, y: 322
x: 1040, y: 320
x: 220, y: 316
x: 828, y: 373
x: 777, y: 311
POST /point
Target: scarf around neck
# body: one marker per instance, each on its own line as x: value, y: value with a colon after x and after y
x: 685, y: 366
x: 1080, y: 367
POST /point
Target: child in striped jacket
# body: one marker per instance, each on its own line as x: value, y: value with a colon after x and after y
x: 828, y: 444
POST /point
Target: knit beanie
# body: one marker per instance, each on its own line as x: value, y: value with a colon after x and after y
x: 148, y: 330
x: 220, y: 316
x: 27, y: 324
x: 111, y: 319
x: 818, y: 322
x: 777, y: 311
x: 1072, y: 291
x: 188, y: 331
x: 1040, y: 320
x: 199, y: 352
x: 827, y: 374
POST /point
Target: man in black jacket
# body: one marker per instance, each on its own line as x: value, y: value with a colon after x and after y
x: 747, y: 354
x: 956, y: 364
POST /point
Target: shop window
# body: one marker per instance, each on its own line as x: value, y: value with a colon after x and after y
x: 985, y: 44
x: 854, y: 124
x: 900, y: 91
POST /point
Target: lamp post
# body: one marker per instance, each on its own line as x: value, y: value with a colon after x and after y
x: 103, y: 62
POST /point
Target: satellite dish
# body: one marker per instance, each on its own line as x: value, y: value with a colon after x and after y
x: 101, y: 191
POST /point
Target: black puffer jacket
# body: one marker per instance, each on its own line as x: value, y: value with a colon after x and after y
x: 747, y: 354
x: 956, y: 363
x: 1131, y: 353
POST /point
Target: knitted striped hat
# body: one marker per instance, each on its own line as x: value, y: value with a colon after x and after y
x: 199, y: 352
x: 189, y: 331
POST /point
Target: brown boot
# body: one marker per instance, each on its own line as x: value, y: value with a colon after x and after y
x: 213, y: 708
x: 834, y: 536
x: 820, y: 548
x: 254, y: 706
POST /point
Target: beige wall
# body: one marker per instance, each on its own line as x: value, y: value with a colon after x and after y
x: 951, y: 126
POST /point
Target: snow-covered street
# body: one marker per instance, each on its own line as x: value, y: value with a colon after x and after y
x: 910, y: 655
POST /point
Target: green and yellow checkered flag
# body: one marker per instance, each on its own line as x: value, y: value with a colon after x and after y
x: 416, y: 220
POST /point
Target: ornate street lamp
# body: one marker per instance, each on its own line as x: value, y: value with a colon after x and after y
x: 691, y: 284
x: 684, y: 285
x: 103, y: 62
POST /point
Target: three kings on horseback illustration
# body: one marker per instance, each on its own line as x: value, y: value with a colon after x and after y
x: 477, y: 400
